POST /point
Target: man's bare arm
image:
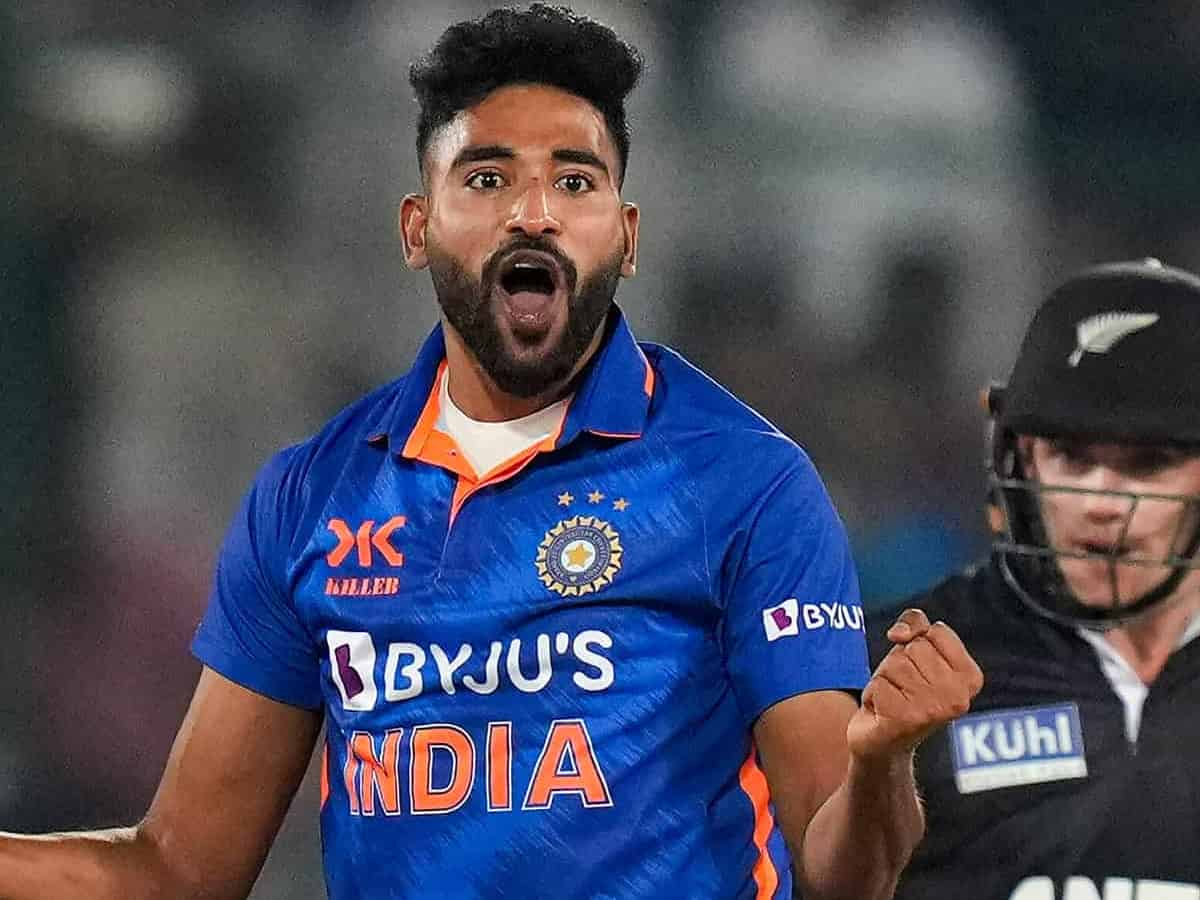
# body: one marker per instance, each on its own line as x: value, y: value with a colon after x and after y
x: 236, y: 764
x: 841, y: 776
x: 850, y: 829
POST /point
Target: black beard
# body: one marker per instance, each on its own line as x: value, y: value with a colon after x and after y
x: 467, y: 305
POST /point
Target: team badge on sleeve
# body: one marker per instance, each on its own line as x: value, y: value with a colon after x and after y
x: 782, y: 620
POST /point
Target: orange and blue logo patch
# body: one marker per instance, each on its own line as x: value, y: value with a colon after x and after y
x: 372, y: 546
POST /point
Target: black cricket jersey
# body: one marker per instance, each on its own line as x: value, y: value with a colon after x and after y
x: 1037, y: 793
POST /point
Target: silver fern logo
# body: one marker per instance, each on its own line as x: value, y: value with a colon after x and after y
x: 1097, y: 334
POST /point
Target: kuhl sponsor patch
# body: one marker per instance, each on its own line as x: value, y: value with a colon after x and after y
x: 1029, y: 745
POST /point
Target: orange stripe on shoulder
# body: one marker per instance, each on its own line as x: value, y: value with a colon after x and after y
x: 754, y: 783
x: 648, y: 384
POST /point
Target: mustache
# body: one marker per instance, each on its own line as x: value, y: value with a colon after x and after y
x: 491, y: 268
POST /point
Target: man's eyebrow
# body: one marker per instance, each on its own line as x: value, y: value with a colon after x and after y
x: 482, y: 152
x: 582, y: 157
x: 498, y: 151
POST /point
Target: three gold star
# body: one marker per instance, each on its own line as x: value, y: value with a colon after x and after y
x: 566, y: 498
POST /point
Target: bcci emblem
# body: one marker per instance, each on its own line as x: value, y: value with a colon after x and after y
x: 578, y: 556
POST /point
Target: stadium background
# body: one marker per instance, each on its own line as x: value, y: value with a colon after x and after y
x: 849, y: 209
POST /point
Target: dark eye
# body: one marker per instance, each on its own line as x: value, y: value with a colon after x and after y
x: 1150, y: 460
x: 485, y: 181
x: 1072, y: 451
x: 575, y: 183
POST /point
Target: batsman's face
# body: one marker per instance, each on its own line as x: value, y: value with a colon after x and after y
x: 1116, y: 503
x: 524, y: 231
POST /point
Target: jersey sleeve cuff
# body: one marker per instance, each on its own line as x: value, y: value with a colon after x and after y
x: 274, y: 685
x: 850, y: 680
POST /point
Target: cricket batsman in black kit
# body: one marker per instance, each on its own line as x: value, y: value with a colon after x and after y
x: 1076, y: 776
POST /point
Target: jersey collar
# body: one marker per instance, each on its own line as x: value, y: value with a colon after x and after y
x: 612, y: 398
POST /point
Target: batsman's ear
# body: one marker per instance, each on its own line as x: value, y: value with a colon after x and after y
x: 992, y: 398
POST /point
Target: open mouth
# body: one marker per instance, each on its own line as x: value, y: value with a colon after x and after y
x: 1095, y: 548
x: 525, y: 276
x: 531, y: 283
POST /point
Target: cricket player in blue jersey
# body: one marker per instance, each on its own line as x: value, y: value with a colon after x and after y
x: 576, y: 622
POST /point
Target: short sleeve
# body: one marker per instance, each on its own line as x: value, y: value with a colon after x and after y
x: 251, y: 632
x: 793, y: 616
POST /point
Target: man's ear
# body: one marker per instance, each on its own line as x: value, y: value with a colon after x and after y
x: 414, y: 214
x: 1024, y: 452
x: 630, y: 216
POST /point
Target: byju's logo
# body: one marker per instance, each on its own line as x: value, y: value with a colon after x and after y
x: 527, y: 665
x: 786, y: 619
x: 352, y: 665
x: 1001, y: 748
x: 782, y: 620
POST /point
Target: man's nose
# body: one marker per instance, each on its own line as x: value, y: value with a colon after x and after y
x: 531, y: 214
x: 1107, y: 498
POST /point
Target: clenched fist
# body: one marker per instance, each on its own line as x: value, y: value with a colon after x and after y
x: 927, y: 679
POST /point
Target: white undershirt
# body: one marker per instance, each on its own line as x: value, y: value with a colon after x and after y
x: 487, y: 444
x: 1125, y: 682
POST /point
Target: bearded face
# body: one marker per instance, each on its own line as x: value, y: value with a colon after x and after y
x: 524, y: 232
x: 528, y: 318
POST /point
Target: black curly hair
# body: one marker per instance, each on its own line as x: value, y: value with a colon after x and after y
x: 539, y: 45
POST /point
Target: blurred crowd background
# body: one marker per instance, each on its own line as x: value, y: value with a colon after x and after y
x: 849, y: 211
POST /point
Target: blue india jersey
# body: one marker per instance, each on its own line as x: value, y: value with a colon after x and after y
x: 541, y: 681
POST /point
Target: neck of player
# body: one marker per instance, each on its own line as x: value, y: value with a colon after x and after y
x: 1149, y: 640
x: 478, y: 396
